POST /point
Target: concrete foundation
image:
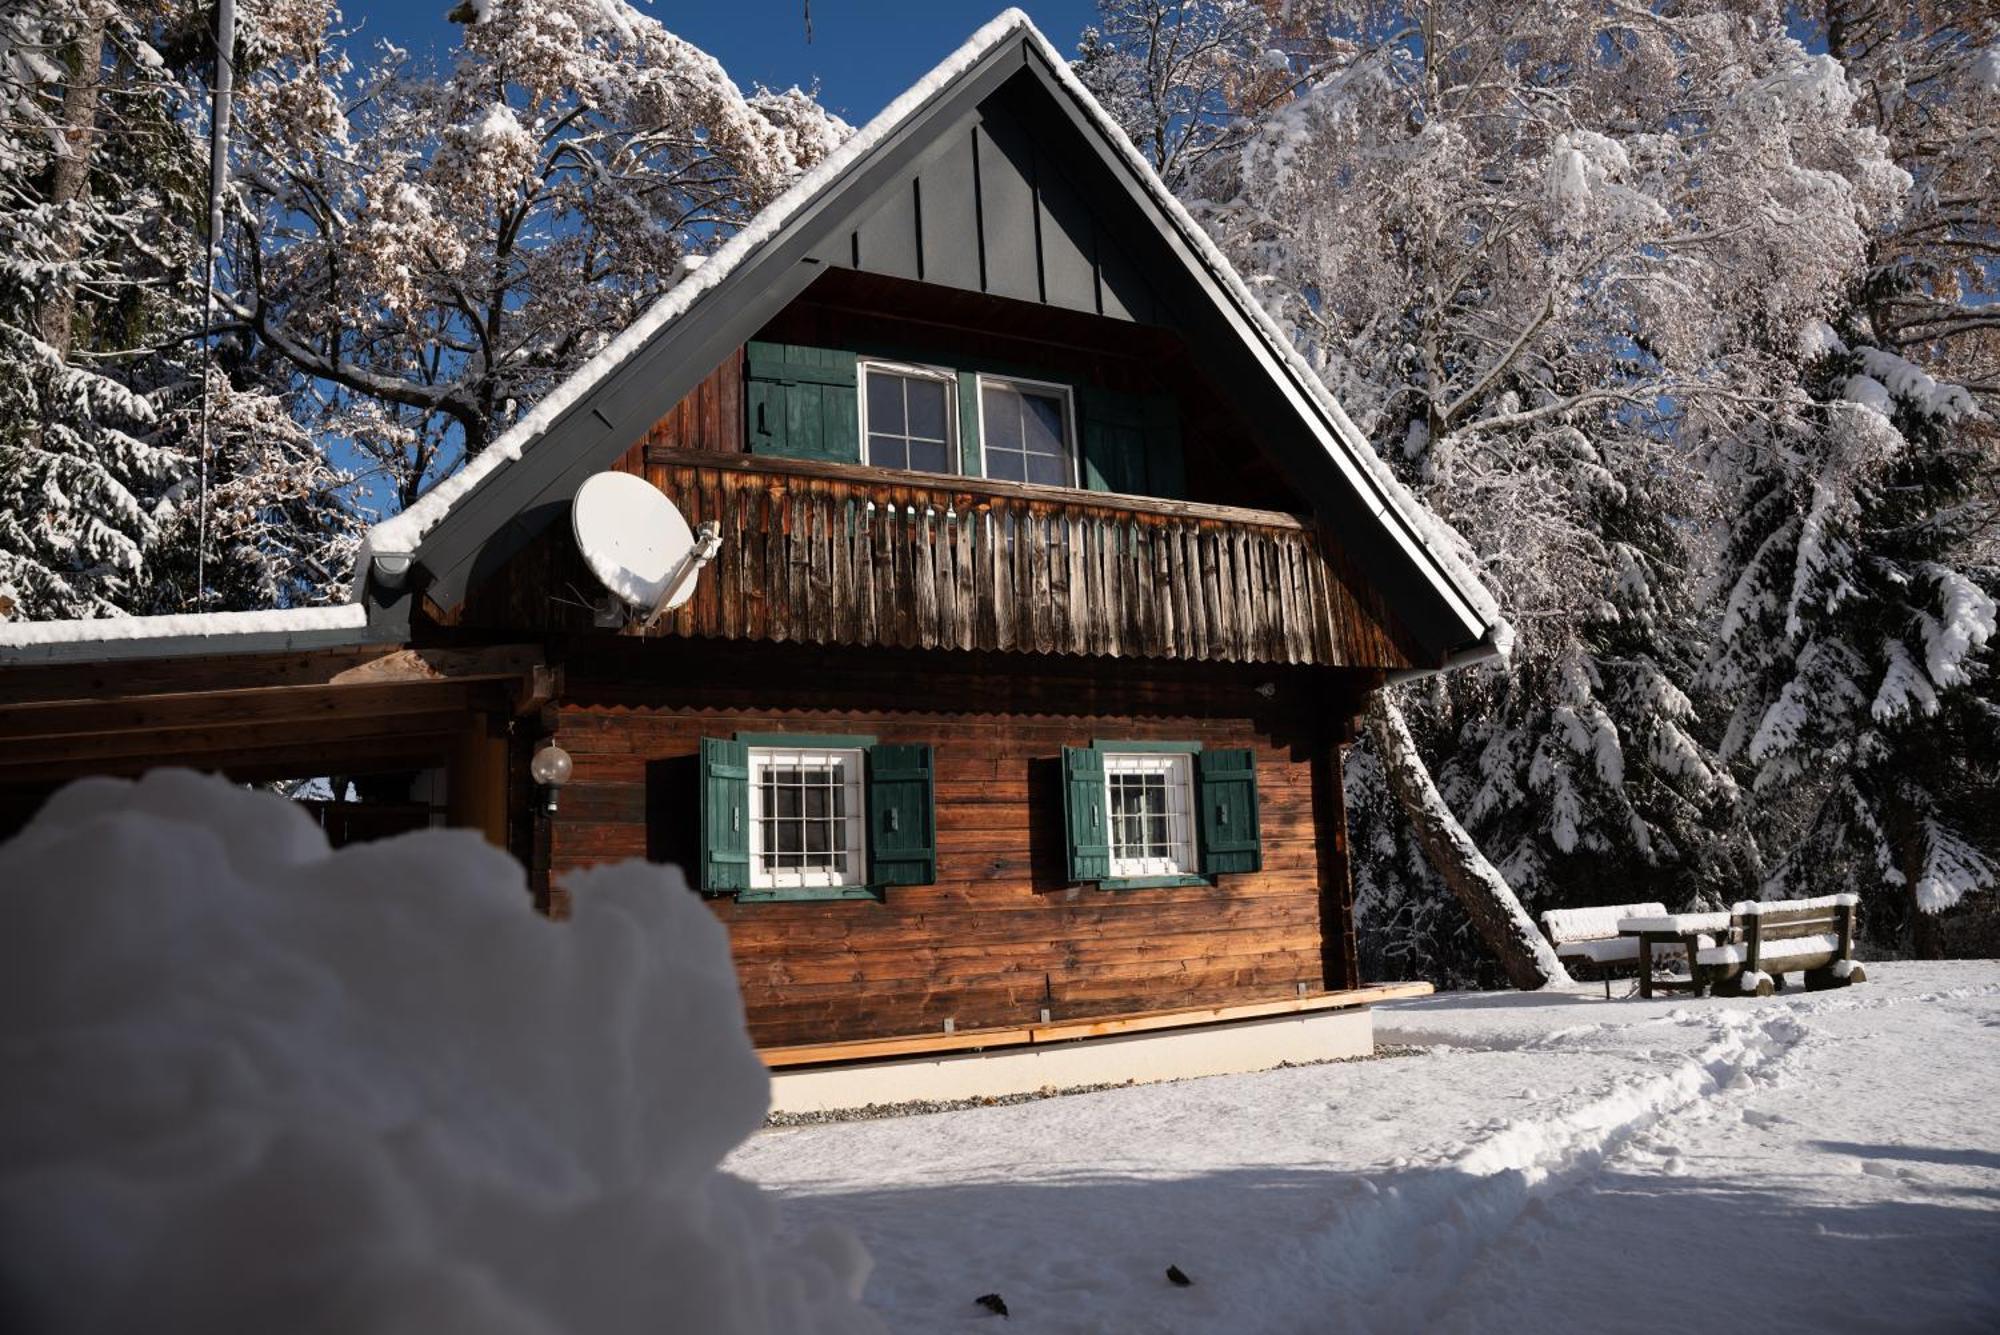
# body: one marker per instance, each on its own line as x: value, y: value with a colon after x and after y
x: 1172, y: 1054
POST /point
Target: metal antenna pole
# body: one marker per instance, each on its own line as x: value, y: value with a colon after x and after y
x: 218, y: 179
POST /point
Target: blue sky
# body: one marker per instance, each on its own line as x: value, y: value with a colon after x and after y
x: 863, y: 55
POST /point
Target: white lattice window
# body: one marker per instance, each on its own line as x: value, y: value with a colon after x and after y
x: 909, y: 417
x: 806, y: 818
x: 1026, y: 431
x: 1150, y: 798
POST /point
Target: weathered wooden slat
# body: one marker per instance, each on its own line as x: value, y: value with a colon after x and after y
x: 925, y: 576
x: 837, y: 555
x: 1042, y: 585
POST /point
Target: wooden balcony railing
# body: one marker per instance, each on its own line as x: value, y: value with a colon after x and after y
x: 830, y: 554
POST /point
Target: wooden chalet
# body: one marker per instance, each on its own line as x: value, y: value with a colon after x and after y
x: 1011, y: 711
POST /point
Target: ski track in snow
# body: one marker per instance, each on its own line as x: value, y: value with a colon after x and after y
x: 1525, y: 1161
x: 1398, y: 1241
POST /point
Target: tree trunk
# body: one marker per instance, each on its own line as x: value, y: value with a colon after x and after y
x: 1501, y: 921
x: 70, y: 181
x: 1906, y: 829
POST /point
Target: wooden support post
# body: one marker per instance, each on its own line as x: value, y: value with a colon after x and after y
x: 1340, y: 964
x: 476, y: 778
x: 1646, y: 966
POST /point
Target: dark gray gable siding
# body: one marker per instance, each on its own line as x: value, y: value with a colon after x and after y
x: 1002, y: 184
x: 995, y: 211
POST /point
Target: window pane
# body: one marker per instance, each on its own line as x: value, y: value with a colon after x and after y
x: 885, y: 402
x: 926, y: 399
x: 928, y: 456
x: 1049, y: 469
x: 887, y: 451
x: 1043, y: 424
x: 784, y: 802
x: 1006, y: 466
x: 1003, y: 416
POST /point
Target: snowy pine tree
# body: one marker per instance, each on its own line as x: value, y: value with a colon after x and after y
x: 79, y: 479
x: 102, y: 164
x: 1856, y: 635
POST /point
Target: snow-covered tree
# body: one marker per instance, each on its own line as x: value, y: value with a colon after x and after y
x: 78, y: 477
x: 102, y: 160
x: 432, y: 252
x: 1528, y: 246
x: 1855, y: 638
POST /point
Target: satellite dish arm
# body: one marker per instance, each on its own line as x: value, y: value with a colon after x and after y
x: 707, y: 542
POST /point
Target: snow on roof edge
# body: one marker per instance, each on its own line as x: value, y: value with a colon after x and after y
x: 102, y: 630
x: 1420, y: 529
x: 401, y: 533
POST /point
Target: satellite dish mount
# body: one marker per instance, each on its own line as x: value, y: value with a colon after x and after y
x: 640, y: 548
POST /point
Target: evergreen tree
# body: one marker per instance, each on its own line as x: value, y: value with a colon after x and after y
x: 1855, y: 639
x: 103, y: 164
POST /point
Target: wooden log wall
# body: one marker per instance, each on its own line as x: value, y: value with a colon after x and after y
x: 1000, y: 936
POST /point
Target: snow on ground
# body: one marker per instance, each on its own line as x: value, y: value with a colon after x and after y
x: 1814, y: 1162
x: 251, y: 1084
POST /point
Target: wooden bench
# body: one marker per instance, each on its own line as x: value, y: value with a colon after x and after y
x: 1588, y: 943
x: 1765, y: 941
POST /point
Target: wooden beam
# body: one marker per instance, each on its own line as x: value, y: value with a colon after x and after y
x: 440, y: 665
x: 865, y: 1049
x: 251, y: 764
x: 966, y: 491
x: 165, y: 714
x: 209, y: 743
x: 378, y: 664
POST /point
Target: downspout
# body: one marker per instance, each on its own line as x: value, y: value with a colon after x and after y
x: 1477, y: 651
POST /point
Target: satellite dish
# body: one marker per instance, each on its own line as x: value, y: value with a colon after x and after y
x: 637, y: 544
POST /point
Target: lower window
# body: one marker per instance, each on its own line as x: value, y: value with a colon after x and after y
x: 806, y: 826
x: 1150, y: 800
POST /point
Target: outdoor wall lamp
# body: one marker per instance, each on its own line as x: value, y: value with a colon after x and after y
x: 551, y: 769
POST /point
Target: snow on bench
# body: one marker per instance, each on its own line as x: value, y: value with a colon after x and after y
x: 1774, y: 951
x: 1766, y: 939
x: 1589, y: 936
x: 1587, y: 940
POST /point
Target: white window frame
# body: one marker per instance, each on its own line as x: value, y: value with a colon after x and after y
x: 1178, y: 768
x: 854, y: 872
x: 954, y: 451
x: 1021, y: 385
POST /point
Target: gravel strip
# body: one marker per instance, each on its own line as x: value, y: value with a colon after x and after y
x: 917, y: 1107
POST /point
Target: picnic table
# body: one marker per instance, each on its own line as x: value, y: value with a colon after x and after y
x: 1690, y: 932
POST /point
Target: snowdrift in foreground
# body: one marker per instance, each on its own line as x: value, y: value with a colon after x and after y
x: 255, y: 1084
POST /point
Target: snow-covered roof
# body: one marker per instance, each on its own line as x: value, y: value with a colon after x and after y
x: 188, y: 633
x: 1421, y: 542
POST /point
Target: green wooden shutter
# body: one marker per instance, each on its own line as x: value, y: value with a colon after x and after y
x: 1226, y: 793
x: 902, y: 816
x: 802, y: 402
x: 1085, y: 821
x: 725, y: 815
x: 1131, y: 444
x: 1166, y: 465
x: 1113, y: 432
x: 970, y: 461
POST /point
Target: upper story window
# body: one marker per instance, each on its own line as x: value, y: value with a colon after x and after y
x: 907, y: 417
x: 1027, y: 431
